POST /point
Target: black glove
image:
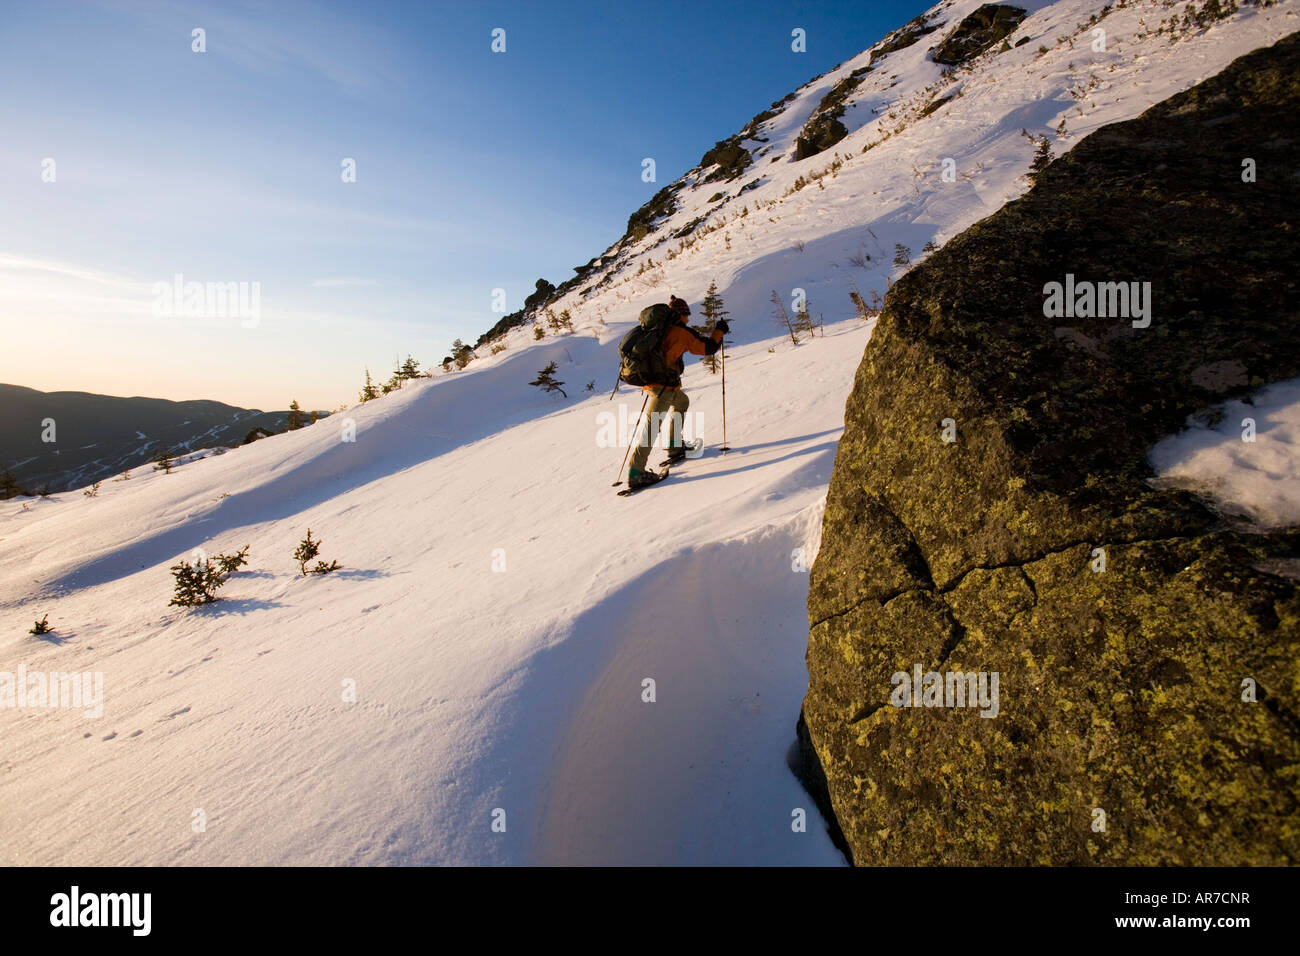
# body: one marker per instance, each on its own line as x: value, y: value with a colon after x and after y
x: 722, y: 326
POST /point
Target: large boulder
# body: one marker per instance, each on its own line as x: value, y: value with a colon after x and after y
x: 1127, y: 624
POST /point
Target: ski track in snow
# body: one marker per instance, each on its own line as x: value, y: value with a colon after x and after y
x: 522, y: 689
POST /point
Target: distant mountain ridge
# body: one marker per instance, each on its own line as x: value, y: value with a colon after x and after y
x: 99, y: 436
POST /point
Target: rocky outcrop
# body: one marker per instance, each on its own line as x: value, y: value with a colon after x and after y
x: 824, y: 129
x: 978, y: 32
x: 1128, y: 625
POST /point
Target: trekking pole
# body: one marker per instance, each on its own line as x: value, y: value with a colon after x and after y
x: 723, y: 352
x: 629, y: 444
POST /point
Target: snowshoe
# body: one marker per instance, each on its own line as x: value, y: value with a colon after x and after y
x: 642, y: 479
x: 682, y: 452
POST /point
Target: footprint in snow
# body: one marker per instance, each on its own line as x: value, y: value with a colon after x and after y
x: 110, y: 736
x: 175, y: 713
x: 135, y: 733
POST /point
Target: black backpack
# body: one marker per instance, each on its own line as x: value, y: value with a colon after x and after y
x: 641, y: 353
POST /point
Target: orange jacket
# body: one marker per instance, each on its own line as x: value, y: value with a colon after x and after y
x: 681, y: 339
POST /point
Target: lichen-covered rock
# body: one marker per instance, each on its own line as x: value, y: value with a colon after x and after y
x: 1128, y: 626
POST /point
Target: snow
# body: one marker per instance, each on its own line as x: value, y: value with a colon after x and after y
x: 1245, y: 457
x: 521, y: 689
x: 476, y: 689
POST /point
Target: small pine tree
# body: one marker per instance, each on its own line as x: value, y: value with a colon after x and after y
x: 783, y: 319
x: 803, y: 321
x: 547, y: 382
x: 713, y: 310
x: 296, y: 420
x: 591, y: 386
x: 308, y: 549
x: 164, y: 460
x: 1042, y: 158
x: 539, y: 332
x: 42, y: 626
x: 858, y: 304
x: 230, y: 563
x: 930, y: 247
x: 315, y: 417
x: 409, y: 369
x: 461, y: 353
x: 196, y: 583
x: 93, y: 490
x: 368, y: 391
x: 1042, y: 154
x: 902, y: 255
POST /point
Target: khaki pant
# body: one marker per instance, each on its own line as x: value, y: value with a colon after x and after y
x: 670, y: 404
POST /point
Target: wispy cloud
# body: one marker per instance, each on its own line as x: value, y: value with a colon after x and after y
x: 286, y: 35
x: 24, y: 264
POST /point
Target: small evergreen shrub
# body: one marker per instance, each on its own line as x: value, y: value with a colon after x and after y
x: 196, y: 583
x: 309, y: 548
x: 230, y: 563
x: 461, y: 353
x: 368, y: 391
x: 547, y: 381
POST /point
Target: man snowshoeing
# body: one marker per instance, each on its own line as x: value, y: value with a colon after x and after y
x: 667, y: 398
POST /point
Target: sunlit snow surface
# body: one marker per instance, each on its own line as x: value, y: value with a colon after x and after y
x: 1258, y: 479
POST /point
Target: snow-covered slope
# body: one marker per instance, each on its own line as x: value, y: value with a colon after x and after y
x: 500, y: 609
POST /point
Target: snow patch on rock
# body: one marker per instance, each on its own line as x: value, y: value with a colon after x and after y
x: 1244, y: 454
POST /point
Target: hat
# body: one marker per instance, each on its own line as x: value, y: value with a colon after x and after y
x: 679, y: 305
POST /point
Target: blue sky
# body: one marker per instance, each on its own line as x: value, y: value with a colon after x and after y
x: 474, y: 170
